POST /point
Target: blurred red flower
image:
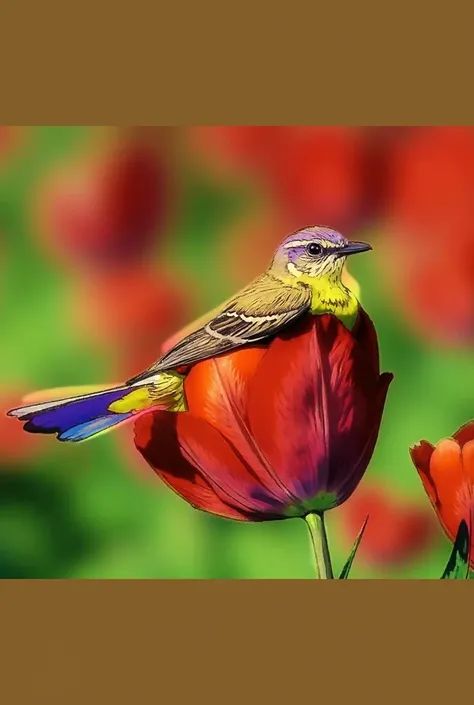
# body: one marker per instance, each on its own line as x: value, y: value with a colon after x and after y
x: 131, y: 311
x: 430, y: 231
x: 15, y: 444
x: 112, y: 206
x: 447, y: 474
x: 315, y: 173
x: 234, y: 149
x: 397, y: 531
x: 333, y: 175
x: 275, y: 430
x: 431, y: 189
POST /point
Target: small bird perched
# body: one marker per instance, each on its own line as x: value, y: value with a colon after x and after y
x: 304, y: 278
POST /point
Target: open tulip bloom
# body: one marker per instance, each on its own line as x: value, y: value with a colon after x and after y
x: 447, y: 473
x: 274, y: 431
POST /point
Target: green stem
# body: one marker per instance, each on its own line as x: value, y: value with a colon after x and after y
x: 319, y: 539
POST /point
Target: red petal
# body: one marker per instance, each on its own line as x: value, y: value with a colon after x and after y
x: 156, y: 439
x: 349, y: 485
x: 217, y: 391
x: 421, y: 456
x: 468, y: 463
x: 365, y: 334
x: 447, y: 476
x: 447, y: 473
x: 357, y: 401
x: 230, y: 476
x: 465, y: 433
x: 220, y: 382
x: 309, y: 405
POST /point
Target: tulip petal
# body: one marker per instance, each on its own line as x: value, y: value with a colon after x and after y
x: 156, y: 440
x: 468, y: 462
x: 217, y: 391
x: 446, y: 469
x: 220, y: 464
x: 465, y: 433
x: 348, y: 485
x: 308, y: 406
x: 365, y: 334
x: 288, y: 412
x: 210, y: 383
x: 453, y: 492
x: 468, y: 466
x: 447, y: 473
x: 421, y: 457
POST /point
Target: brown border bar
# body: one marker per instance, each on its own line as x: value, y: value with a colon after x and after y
x: 225, y: 643
x: 333, y: 64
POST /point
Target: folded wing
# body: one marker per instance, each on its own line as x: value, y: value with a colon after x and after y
x: 259, y: 312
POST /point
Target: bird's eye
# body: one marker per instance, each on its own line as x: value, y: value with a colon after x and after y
x: 314, y: 249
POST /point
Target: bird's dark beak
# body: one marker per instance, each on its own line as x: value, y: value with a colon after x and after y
x: 352, y: 248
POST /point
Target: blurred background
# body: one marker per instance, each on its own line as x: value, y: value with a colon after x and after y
x: 111, y: 239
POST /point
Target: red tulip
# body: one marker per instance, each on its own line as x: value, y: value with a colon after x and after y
x: 447, y: 474
x: 275, y: 430
x: 111, y: 208
x: 397, y: 530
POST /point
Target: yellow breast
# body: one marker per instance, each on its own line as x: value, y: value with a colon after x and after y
x: 335, y: 298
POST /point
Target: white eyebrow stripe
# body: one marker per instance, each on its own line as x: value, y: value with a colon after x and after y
x: 299, y: 243
x: 296, y: 243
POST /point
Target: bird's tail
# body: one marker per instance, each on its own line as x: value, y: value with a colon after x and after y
x: 84, y: 413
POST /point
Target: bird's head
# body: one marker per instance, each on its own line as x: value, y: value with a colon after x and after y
x: 315, y: 251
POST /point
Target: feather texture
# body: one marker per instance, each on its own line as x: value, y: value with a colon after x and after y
x: 82, y: 416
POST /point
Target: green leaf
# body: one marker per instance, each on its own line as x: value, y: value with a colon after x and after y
x: 348, y: 564
x: 457, y: 567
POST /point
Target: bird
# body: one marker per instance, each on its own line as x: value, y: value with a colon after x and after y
x: 304, y: 277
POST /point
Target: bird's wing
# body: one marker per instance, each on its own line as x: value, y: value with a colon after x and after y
x: 197, y: 323
x: 260, y: 311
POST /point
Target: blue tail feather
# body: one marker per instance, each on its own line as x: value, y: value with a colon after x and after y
x: 75, y: 419
x: 90, y: 428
